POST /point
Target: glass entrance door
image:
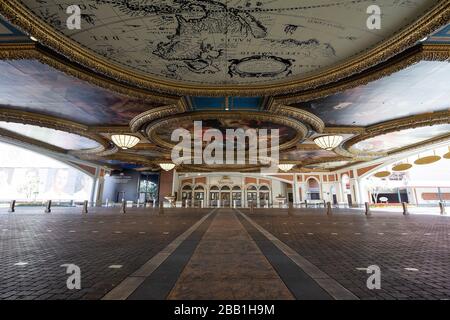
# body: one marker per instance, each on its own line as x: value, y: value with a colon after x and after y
x: 225, y: 199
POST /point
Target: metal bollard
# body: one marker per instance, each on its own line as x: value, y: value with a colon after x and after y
x: 405, y: 208
x: 251, y: 207
x: 442, y: 207
x: 85, y: 207
x: 124, y: 207
x: 161, y: 207
x: 367, y: 206
x: 290, y: 208
x: 306, y: 204
x: 48, y: 206
x: 12, y: 206
x: 329, y: 212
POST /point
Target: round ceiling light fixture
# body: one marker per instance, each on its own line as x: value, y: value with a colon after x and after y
x: 285, y: 166
x: 125, y: 141
x: 427, y: 160
x: 328, y: 142
x: 402, y: 167
x: 167, y: 166
x: 382, y: 174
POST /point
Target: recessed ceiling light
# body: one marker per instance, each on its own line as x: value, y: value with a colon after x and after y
x: 424, y: 39
x: 33, y: 38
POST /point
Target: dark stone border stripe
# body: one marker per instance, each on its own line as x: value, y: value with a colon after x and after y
x: 302, y: 286
x: 331, y: 286
x: 126, y: 288
x: 158, y: 285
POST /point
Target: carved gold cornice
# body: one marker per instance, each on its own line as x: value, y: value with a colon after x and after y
x: 140, y: 120
x: 24, y: 117
x: 416, y: 121
x: 344, y: 130
x: 421, y: 52
x: 19, y: 15
x: 299, y: 114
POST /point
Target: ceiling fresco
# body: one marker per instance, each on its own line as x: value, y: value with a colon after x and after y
x: 286, y: 134
x: 306, y: 155
x: 32, y: 86
x: 61, y: 139
x: 212, y: 42
x: 423, y: 87
x: 394, y: 140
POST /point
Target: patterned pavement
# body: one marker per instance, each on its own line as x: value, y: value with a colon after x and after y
x: 106, y: 247
x: 412, y: 251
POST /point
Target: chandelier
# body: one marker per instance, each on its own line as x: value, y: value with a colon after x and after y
x: 124, y: 141
x: 328, y: 142
x: 285, y: 166
x: 167, y: 166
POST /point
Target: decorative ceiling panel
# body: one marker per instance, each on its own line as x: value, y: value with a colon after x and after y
x: 395, y: 140
x: 194, y: 42
x: 423, y: 87
x: 32, y: 86
x: 61, y: 139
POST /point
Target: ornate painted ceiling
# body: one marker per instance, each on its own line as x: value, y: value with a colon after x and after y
x: 175, y: 44
x: 307, y: 68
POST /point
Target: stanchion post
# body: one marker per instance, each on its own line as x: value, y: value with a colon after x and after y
x: 367, y: 207
x: 85, y: 207
x: 161, y: 207
x: 124, y: 207
x: 405, y: 208
x: 329, y: 212
x: 48, y: 206
x: 12, y: 206
x: 442, y: 207
x: 290, y: 208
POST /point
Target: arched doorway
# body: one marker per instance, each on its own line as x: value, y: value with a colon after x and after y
x: 345, y: 183
x: 237, y: 196
x: 264, y: 196
x: 252, y: 195
x: 313, y: 191
x: 214, y: 196
x: 225, y: 196
x: 333, y: 195
x: 186, y: 195
x: 199, y: 196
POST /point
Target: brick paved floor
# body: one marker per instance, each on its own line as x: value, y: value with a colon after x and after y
x: 94, y: 242
x: 347, y: 240
x: 337, y: 245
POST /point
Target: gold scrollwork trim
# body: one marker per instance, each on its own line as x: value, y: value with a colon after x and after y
x: 22, y: 17
x: 302, y: 115
x: 299, y: 127
x: 140, y: 120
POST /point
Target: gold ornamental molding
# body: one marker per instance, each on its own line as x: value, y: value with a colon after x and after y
x: 140, y: 120
x: 20, y: 16
x: 416, y: 121
x: 24, y: 117
x: 152, y: 127
x: 299, y: 114
x: 421, y: 52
